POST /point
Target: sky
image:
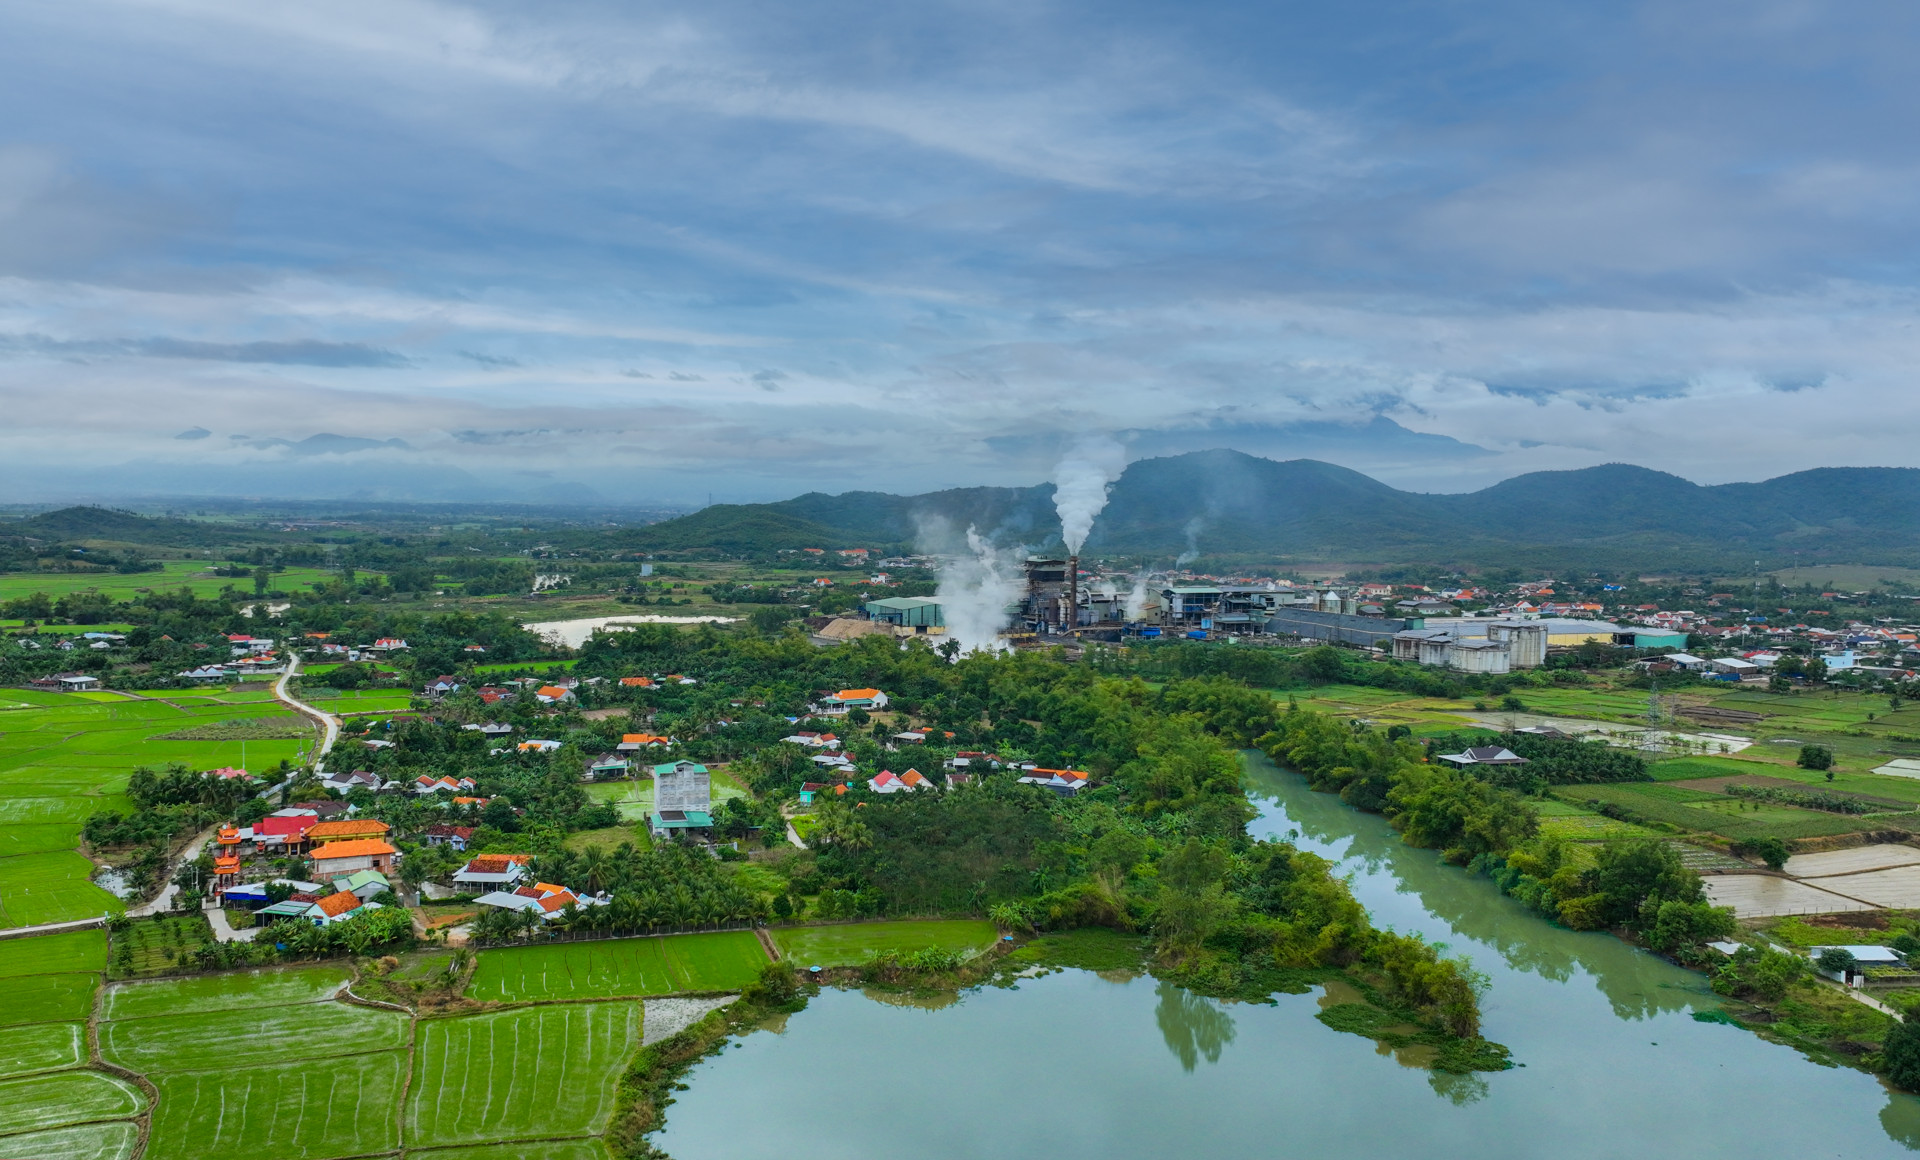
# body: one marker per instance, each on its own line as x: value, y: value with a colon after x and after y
x: 655, y: 253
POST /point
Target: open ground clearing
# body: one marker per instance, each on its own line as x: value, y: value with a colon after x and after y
x: 856, y: 943
x: 1765, y: 895
x: 292, y: 1111
x: 531, y: 1073
x: 608, y: 968
x: 1854, y: 861
x: 114, y: 1140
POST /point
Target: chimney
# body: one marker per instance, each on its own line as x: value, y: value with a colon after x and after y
x: 1073, y: 592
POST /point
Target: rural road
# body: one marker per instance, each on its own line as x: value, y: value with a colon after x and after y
x: 164, y: 900
x: 327, y: 720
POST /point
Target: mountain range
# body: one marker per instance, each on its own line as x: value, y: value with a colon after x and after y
x: 1229, y: 506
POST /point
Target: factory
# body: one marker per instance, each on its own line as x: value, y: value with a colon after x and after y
x: 1055, y: 602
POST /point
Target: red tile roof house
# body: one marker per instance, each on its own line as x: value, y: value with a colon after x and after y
x: 543, y: 898
x: 493, y: 870
x: 442, y: 834
x: 284, y: 831
x: 889, y: 782
x: 1065, y: 782
x: 338, y: 859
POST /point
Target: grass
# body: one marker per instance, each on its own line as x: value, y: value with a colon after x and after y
x: 48, y: 998
x: 1688, y: 768
x: 113, y: 1140
x: 74, y: 950
x: 243, y: 990
x: 855, y: 943
x: 1091, y: 948
x: 475, y: 1080
x: 607, y: 839
x: 42, y: 1047
x: 608, y: 968
x: 289, y: 1111
x: 1721, y: 815
x: 65, y: 1097
x: 209, y: 1040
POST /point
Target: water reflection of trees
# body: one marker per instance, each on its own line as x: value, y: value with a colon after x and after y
x: 1191, y: 1025
x: 1637, y: 985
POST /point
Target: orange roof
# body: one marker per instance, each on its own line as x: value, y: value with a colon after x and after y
x: 637, y: 682
x: 356, y: 849
x: 550, y: 691
x: 470, y: 801
x: 335, y: 905
x: 496, y: 863
x: 857, y: 694
x: 351, y: 828
x: 559, y: 901
x: 549, y: 888
x: 227, y: 863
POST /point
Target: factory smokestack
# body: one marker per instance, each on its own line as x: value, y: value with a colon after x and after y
x: 1073, y: 593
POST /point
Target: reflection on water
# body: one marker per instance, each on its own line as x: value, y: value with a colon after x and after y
x: 1613, y: 1064
x: 1192, y: 1026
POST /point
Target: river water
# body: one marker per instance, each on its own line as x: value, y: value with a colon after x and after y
x: 1076, y: 1065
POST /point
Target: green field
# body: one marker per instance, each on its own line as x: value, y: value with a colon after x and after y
x: 856, y: 943
x: 533, y: 1073
x: 219, y: 1039
x: 41, y: 1047
x: 289, y: 1111
x: 74, y: 950
x: 235, y: 990
x: 43, y: 998
x: 64, y: 757
x: 525, y: 1150
x: 65, y: 1097
x: 113, y: 1140
x: 177, y: 574
x: 609, y: 968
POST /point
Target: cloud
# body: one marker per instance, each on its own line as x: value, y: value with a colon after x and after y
x: 299, y: 352
x: 194, y: 433
x: 490, y: 361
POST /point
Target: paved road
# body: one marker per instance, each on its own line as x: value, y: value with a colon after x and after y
x: 164, y: 900
x: 52, y: 927
x: 327, y: 720
x: 224, y: 932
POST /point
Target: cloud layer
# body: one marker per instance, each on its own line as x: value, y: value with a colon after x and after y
x: 748, y: 249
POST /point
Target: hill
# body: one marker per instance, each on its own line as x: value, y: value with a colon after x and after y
x: 1228, y: 506
x: 71, y: 524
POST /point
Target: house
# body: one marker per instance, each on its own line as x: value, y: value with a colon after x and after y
x: 1687, y: 661
x: 388, y: 644
x: 1065, y: 782
x: 284, y: 831
x: 336, y: 859
x: 833, y: 760
x: 363, y: 884
x: 68, y: 682
x: 809, y: 788
x: 336, y: 907
x: 1484, y: 755
x: 889, y: 782
x: 552, y: 694
x: 205, y: 673
x: 348, y: 829
x: 491, y: 730
x: 442, y: 834
x: 968, y: 758
x: 1735, y: 666
x: 253, y: 895
x: 228, y: 773
x: 343, y: 783
x: 956, y: 780
x: 682, y: 797
x: 441, y: 686
x: 606, y: 767
x: 632, y: 742
x: 492, y: 870
x: 911, y: 737
x: 475, y: 648
x: 811, y: 740
x: 425, y: 784
x: 543, y: 899
x: 846, y: 700
x: 636, y: 682
x: 538, y: 746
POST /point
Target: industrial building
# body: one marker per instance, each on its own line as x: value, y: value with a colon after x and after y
x: 1056, y: 602
x: 1500, y: 647
x: 920, y: 613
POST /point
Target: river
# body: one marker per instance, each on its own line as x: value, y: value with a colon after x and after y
x: 1076, y: 1065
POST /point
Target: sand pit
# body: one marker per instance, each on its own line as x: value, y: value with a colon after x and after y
x: 1763, y: 895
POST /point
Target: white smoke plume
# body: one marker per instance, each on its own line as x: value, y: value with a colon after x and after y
x: 1193, y: 529
x: 975, y: 591
x: 1137, y: 597
x: 1080, y: 485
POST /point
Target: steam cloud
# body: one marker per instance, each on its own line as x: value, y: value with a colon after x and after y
x: 1193, y: 529
x: 1137, y: 597
x: 975, y: 590
x: 1080, y: 485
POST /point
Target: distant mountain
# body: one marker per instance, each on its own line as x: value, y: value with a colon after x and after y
x: 1226, y: 505
x: 98, y: 523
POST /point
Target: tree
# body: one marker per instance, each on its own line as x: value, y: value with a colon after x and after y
x: 1323, y: 664
x: 1900, y: 1055
x: 1815, y: 757
x: 1837, y: 960
x: 1770, y: 850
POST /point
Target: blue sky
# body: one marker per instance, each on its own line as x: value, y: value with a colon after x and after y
x: 647, y: 252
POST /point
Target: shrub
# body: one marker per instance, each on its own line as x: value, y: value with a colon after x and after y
x: 1815, y: 757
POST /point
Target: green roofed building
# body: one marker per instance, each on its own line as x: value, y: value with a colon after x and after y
x: 682, y: 797
x: 907, y: 611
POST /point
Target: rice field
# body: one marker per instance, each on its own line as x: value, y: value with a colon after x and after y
x: 237, y: 990
x: 74, y: 950
x: 65, y: 1097
x: 113, y: 1140
x: 221, y: 1039
x: 532, y: 1073
x: 300, y: 1110
x: 855, y: 943
x: 48, y: 998
x: 524, y: 1150
x: 41, y: 1047
x: 175, y: 575
x: 608, y: 968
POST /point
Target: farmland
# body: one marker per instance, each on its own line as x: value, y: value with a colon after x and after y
x: 41, y: 1047
x: 111, y: 1140
x: 195, y: 575
x: 532, y: 1073
x: 246, y: 989
x: 65, y: 1097
x: 289, y: 1110
x: 201, y: 1041
x: 856, y: 943
x: 63, y: 757
x: 609, y: 968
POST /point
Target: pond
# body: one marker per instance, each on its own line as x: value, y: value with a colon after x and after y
x: 1077, y: 1065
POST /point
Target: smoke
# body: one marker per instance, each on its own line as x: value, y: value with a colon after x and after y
x: 1137, y: 597
x: 1080, y: 485
x: 1192, y: 530
x: 976, y: 588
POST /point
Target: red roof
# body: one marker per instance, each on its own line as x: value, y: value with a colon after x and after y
x: 285, y: 827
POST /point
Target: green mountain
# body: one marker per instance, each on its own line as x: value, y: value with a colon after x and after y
x: 70, y: 524
x: 1229, y: 506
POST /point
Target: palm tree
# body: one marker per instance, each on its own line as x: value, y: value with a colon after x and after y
x: 592, y: 869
